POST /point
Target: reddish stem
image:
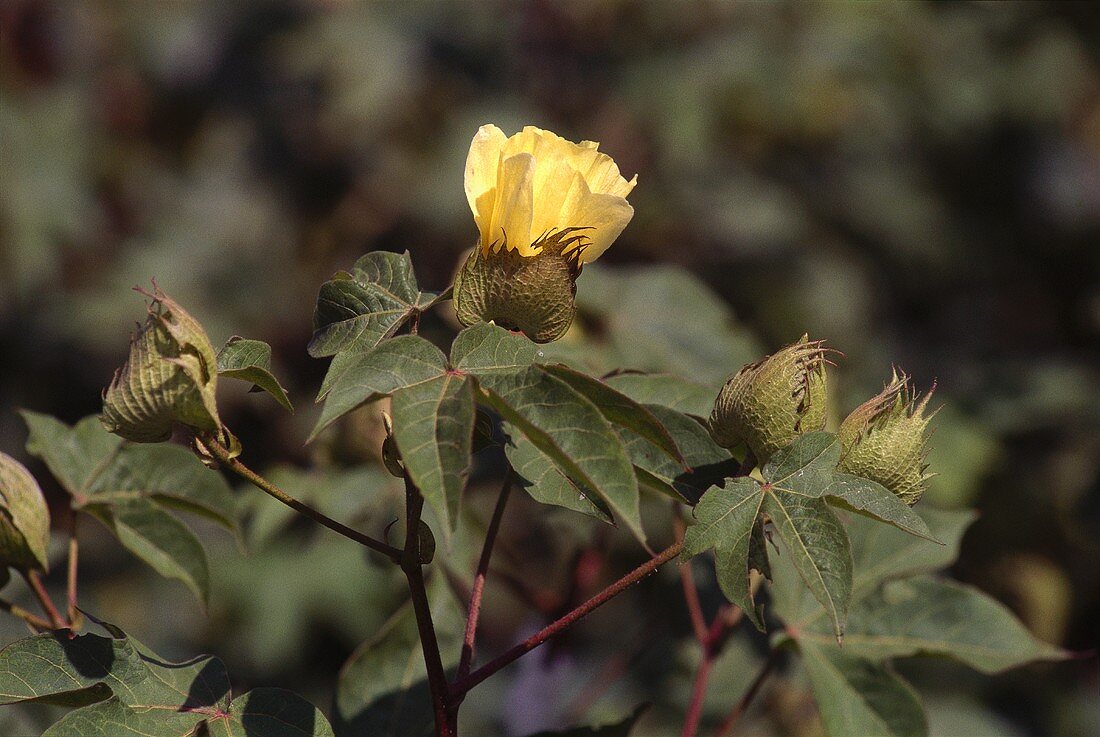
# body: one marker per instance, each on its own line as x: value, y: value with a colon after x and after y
x: 460, y: 687
x: 445, y: 724
x: 34, y: 580
x: 687, y: 580
x: 74, y: 553
x: 474, y: 610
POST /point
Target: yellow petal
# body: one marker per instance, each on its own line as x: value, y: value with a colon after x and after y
x: 511, y: 222
x: 606, y: 215
x: 481, y: 168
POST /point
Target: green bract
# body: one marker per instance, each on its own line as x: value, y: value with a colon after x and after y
x: 169, y: 377
x: 767, y: 404
x: 884, y: 439
x: 532, y: 294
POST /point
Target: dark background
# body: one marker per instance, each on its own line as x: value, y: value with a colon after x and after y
x: 917, y: 183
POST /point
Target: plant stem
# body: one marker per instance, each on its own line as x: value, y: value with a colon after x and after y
x: 74, y: 554
x: 34, y: 580
x: 742, y: 706
x: 474, y: 610
x: 460, y: 687
x: 691, y: 594
x: 712, y: 642
x: 222, y: 454
x: 29, y: 617
x: 445, y: 718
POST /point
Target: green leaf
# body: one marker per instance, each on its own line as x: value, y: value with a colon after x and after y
x: 620, y: 410
x: 433, y: 425
x: 858, y: 697
x: 881, y: 553
x: 250, y: 360
x: 725, y: 519
x: 621, y: 728
x: 876, y: 501
x: 73, y: 454
x: 666, y: 390
x: 818, y: 547
x: 485, y: 348
x: 159, y: 539
x: 708, y: 463
x: 382, y: 689
x: 126, y: 689
x: 545, y: 482
x: 95, y: 466
x: 169, y: 475
x: 395, y: 364
x: 806, y: 466
x: 24, y: 518
x: 572, y: 432
x: 356, y: 311
x: 933, y: 616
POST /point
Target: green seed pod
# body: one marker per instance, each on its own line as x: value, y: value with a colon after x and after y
x: 885, y: 439
x: 767, y: 404
x: 533, y: 294
x: 170, y: 376
x: 24, y: 519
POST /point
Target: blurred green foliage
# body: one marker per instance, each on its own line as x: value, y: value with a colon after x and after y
x: 911, y: 181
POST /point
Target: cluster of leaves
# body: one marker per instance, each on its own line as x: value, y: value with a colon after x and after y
x: 855, y: 560
x: 124, y: 688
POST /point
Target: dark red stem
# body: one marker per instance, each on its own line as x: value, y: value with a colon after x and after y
x: 474, y: 610
x: 460, y: 687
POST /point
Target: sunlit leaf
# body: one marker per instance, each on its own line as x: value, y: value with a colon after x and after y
x: 250, y: 360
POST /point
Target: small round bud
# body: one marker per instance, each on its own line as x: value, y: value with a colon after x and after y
x: 767, y: 404
x: 885, y: 439
x: 533, y: 294
x: 24, y: 519
x: 170, y: 376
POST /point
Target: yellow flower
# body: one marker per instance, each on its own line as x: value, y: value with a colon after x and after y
x: 536, y: 184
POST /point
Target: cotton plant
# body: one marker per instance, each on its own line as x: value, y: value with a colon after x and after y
x: 815, y: 538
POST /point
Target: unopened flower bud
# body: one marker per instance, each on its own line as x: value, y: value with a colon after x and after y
x: 169, y: 377
x: 544, y: 207
x: 885, y: 439
x: 24, y: 519
x: 767, y: 404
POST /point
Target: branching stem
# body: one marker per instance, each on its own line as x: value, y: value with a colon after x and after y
x: 30, y: 618
x: 460, y: 687
x: 34, y: 580
x: 220, y: 452
x: 445, y: 717
x: 478, y: 591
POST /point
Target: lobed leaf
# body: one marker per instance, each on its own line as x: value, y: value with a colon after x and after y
x: 546, y: 482
x: 159, y: 539
x: 126, y: 689
x: 859, y: 697
x: 396, y: 364
x: 433, y: 425
x: 708, y: 464
x: 571, y: 431
x: 250, y: 360
x: 818, y: 547
x: 620, y: 410
x: 666, y: 390
x: 933, y: 616
x: 486, y: 348
x: 356, y: 311
x: 874, y: 500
